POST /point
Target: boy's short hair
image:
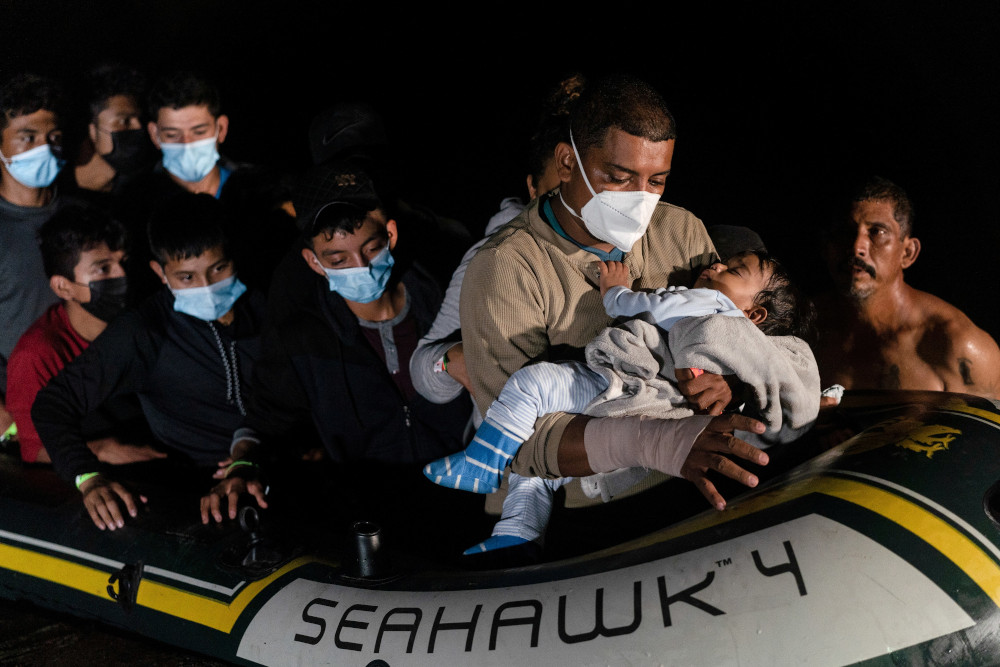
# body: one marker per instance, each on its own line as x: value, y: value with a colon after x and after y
x: 72, y: 230
x: 336, y: 216
x: 183, y: 89
x: 27, y: 93
x: 108, y: 80
x: 185, y: 226
x: 789, y: 311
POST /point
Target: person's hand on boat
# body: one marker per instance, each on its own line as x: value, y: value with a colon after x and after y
x: 715, y: 449
x: 113, y: 451
x: 239, y: 450
x: 707, y: 393
x: 101, y: 497
x: 225, y: 496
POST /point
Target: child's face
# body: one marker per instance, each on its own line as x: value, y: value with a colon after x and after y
x: 741, y: 278
x: 206, y: 269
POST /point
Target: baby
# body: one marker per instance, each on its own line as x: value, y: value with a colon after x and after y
x: 751, y: 286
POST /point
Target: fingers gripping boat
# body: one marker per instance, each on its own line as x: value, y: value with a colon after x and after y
x: 884, y: 550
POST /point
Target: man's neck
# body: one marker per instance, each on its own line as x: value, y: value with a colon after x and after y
x: 574, y: 227
x: 208, y: 185
x: 886, y: 310
x: 96, y: 174
x: 21, y: 195
x: 84, y: 324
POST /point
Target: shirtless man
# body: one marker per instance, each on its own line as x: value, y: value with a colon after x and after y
x: 880, y: 333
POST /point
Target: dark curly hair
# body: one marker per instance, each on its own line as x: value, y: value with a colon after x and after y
x: 789, y: 311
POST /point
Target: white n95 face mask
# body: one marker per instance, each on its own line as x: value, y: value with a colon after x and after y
x: 618, y: 218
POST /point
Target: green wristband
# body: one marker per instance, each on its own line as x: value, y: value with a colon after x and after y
x: 236, y: 464
x: 10, y: 433
x: 80, y: 479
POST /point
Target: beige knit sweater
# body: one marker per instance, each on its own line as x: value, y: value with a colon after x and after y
x: 529, y: 291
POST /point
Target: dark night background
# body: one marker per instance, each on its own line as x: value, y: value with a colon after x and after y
x: 776, y: 102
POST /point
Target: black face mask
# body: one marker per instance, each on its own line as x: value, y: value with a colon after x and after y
x: 107, y: 298
x: 131, y: 152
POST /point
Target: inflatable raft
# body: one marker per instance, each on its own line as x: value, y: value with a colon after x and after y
x: 882, y: 550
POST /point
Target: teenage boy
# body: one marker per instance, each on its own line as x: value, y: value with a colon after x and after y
x: 30, y: 146
x: 188, y: 127
x: 83, y: 252
x: 186, y: 352
x: 339, y: 356
x: 116, y: 147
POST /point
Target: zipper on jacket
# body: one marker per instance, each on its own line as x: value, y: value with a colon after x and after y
x: 406, y: 415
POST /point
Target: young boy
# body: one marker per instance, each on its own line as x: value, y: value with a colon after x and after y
x: 622, y: 378
x: 83, y: 252
x: 187, y: 353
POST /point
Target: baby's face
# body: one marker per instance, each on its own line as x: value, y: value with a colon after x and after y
x: 741, y: 278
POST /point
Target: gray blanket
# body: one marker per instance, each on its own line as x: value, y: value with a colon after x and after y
x: 638, y: 361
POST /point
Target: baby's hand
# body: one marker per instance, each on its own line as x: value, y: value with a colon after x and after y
x: 613, y: 274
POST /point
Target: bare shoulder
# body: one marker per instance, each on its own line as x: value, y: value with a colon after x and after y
x: 967, y: 350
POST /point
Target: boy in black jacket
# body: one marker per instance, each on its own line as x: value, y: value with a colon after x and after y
x: 187, y: 352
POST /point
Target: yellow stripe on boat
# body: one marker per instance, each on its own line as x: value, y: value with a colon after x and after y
x: 152, y: 594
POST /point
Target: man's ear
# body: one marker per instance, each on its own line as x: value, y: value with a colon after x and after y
x: 154, y: 136
x: 565, y: 161
x: 756, y: 314
x: 92, y: 133
x: 312, y: 261
x: 392, y: 233
x: 158, y: 270
x: 222, y: 123
x: 61, y: 286
x: 911, y: 248
x: 532, y: 190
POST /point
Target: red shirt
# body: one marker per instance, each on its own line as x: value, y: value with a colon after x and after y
x: 41, y: 352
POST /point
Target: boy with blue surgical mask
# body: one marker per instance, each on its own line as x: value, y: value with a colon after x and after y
x: 30, y: 149
x: 187, y: 352
x: 337, y: 355
x: 188, y: 127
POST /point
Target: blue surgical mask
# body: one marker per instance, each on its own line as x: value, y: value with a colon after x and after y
x: 211, y: 302
x: 35, y: 168
x: 193, y: 161
x: 362, y: 284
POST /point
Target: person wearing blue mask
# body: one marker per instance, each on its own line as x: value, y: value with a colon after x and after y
x: 187, y: 352
x: 187, y: 126
x: 30, y: 149
x: 340, y: 357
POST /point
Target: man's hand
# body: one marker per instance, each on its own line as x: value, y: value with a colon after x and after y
x: 714, y: 450
x: 456, y: 366
x: 227, y: 493
x: 101, y: 497
x: 613, y: 274
x: 708, y: 393
x: 112, y: 450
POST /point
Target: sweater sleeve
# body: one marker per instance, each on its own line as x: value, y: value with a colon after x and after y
x: 27, y: 374
x: 441, y: 387
x: 115, y: 363
x: 503, y: 329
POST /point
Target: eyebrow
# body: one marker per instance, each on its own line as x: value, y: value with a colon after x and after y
x: 167, y: 128
x: 633, y: 171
